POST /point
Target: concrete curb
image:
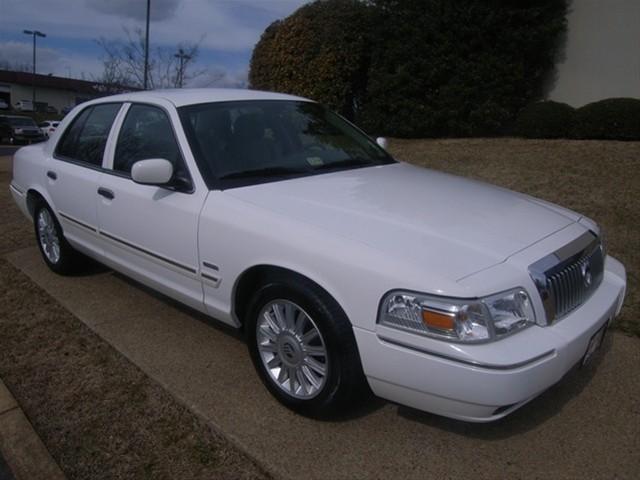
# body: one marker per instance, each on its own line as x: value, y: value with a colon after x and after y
x: 20, y: 445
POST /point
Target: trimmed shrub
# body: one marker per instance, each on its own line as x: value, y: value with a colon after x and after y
x: 459, y: 68
x: 321, y: 51
x: 610, y: 119
x: 545, y: 120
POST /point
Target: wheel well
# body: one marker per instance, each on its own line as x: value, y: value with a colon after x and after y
x: 257, y: 276
x: 34, y: 197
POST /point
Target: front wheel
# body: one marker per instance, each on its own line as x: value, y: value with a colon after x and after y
x: 56, y: 251
x: 303, y: 348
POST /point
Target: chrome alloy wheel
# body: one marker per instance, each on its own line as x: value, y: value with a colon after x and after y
x: 292, y: 349
x: 48, y: 236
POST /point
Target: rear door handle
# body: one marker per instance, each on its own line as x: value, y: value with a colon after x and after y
x: 52, y: 175
x: 106, y: 193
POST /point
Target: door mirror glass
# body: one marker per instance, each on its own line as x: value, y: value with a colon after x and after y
x: 383, y: 142
x: 153, y: 171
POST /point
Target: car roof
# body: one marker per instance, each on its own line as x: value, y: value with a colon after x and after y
x: 192, y: 96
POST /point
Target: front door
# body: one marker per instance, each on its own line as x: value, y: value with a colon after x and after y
x: 150, y: 232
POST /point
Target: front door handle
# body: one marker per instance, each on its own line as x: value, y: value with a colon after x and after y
x: 106, y: 193
x: 52, y: 175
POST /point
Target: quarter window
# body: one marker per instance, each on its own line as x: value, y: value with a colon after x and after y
x: 147, y: 133
x: 86, y: 137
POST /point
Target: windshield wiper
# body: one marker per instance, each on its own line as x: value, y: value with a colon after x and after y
x: 347, y: 162
x: 264, y: 172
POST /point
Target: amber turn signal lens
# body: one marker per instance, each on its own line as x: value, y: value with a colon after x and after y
x: 438, y: 320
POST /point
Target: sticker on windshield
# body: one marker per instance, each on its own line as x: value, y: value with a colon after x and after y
x: 315, y: 161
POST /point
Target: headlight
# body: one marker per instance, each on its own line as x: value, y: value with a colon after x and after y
x: 461, y: 320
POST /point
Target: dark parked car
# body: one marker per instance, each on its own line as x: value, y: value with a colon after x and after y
x: 18, y: 129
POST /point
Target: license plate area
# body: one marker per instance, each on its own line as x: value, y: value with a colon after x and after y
x: 594, y: 344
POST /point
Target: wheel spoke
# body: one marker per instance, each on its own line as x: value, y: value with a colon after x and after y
x: 315, y: 366
x: 271, y: 324
x: 291, y: 372
x: 310, y: 376
x: 300, y: 322
x: 268, y: 332
x: 300, y: 377
x: 310, y: 336
x: 268, y: 347
x: 278, y: 316
x: 315, y: 351
x: 274, y: 362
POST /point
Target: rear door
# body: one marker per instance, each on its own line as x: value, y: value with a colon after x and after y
x: 150, y: 232
x: 72, y: 173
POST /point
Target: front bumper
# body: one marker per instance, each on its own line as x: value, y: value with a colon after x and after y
x: 20, y: 198
x: 481, y: 383
x: 28, y: 138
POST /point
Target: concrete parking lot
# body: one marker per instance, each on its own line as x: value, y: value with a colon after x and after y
x: 588, y: 426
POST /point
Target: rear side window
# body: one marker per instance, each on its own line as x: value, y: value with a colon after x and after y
x: 86, y: 137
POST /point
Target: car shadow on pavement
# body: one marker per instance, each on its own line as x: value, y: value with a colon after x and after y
x: 548, y: 404
x: 89, y: 268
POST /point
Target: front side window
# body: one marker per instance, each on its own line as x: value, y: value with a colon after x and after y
x: 238, y: 143
x: 147, y: 133
x: 85, y: 139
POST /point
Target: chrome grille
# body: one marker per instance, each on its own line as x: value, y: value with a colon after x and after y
x: 567, y: 277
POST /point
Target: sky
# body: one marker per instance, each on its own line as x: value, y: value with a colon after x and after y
x: 226, y: 29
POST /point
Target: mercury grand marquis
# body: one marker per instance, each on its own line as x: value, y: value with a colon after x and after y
x: 347, y: 270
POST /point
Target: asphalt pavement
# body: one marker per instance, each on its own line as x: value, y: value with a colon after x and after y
x: 5, y: 471
x: 587, y: 426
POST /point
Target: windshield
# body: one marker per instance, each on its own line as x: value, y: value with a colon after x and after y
x: 261, y: 141
x: 21, y: 122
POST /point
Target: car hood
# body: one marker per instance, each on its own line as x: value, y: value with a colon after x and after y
x: 447, y: 224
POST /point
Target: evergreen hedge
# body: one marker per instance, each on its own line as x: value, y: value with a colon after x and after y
x: 545, y: 120
x: 610, y: 119
x: 415, y: 68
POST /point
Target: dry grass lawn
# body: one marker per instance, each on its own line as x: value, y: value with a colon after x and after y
x: 98, y: 414
x: 599, y: 179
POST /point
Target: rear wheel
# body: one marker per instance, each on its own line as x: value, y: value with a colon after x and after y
x: 302, y: 346
x: 56, y: 251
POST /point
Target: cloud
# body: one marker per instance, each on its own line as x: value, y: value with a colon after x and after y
x: 136, y: 10
x: 231, y: 25
x: 50, y: 60
x: 21, y: 53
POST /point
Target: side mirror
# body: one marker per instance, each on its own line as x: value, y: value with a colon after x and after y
x: 154, y: 171
x: 383, y: 142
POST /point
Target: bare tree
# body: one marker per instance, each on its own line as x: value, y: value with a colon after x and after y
x: 15, y: 66
x: 124, y: 62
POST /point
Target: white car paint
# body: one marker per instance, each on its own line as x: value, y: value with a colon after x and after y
x: 358, y: 234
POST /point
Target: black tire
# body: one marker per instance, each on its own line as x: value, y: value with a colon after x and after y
x: 345, y: 385
x: 69, y: 259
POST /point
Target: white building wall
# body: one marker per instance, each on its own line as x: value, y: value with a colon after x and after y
x: 602, y: 56
x: 58, y: 98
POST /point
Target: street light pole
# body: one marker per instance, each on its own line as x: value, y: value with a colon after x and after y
x: 34, y: 33
x: 146, y: 48
x: 182, y: 57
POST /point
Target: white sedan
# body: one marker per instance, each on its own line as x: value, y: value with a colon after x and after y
x: 48, y: 127
x: 346, y: 269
